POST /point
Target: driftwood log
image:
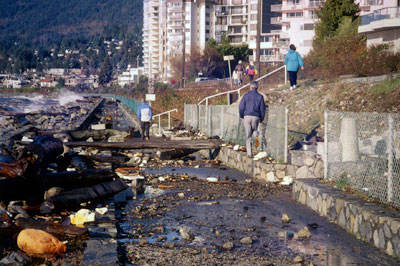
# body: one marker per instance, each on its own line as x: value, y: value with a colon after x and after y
x: 153, y: 144
x: 22, y: 188
x: 50, y: 227
x: 72, y: 199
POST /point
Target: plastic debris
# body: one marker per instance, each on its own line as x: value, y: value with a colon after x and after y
x: 82, y: 216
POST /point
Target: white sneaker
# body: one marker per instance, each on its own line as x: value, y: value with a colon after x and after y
x: 294, y: 86
x: 291, y: 88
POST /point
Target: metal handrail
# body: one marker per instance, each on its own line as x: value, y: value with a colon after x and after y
x: 169, y: 119
x: 238, y: 90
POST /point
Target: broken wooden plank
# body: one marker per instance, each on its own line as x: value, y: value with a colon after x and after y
x: 154, y: 144
x: 50, y: 227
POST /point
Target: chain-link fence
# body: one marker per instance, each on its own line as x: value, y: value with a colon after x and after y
x: 363, y: 150
x: 224, y: 121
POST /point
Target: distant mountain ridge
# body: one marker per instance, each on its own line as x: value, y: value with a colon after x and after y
x: 49, y: 21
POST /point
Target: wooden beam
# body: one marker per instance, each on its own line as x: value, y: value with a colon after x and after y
x: 152, y: 144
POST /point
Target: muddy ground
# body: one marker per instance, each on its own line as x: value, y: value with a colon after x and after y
x: 191, y: 221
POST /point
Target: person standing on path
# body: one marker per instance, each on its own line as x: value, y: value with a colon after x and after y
x: 251, y: 70
x: 293, y: 62
x: 240, y: 70
x: 251, y: 111
x: 145, y: 115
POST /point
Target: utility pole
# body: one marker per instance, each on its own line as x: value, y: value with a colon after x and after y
x: 183, y: 43
x: 258, y: 37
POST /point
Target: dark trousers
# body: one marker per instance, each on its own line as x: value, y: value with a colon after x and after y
x: 293, y: 77
x: 145, y: 127
x: 251, y: 77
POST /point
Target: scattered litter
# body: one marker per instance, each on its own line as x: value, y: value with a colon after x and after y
x: 236, y: 147
x: 101, y: 210
x: 82, y: 216
x: 26, y: 139
x: 212, y: 179
x: 260, y: 155
x: 161, y: 179
x: 365, y: 189
x: 285, y: 218
x: 287, y: 180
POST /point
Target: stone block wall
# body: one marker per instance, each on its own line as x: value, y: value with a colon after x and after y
x: 369, y: 222
x: 302, y: 164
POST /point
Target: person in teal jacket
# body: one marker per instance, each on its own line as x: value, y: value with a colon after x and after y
x: 293, y: 62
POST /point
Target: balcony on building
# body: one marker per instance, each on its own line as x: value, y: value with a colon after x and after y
x: 276, y: 20
x: 382, y: 27
x: 276, y: 8
x: 315, y: 4
x: 239, y: 2
x: 292, y: 5
x: 221, y: 2
x: 380, y: 20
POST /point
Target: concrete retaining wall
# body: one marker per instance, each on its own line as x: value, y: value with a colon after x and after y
x: 367, y: 221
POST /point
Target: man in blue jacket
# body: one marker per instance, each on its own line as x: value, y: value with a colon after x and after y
x: 293, y: 62
x: 145, y: 115
x: 252, y: 111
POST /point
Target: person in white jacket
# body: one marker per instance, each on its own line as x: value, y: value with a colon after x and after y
x: 145, y: 115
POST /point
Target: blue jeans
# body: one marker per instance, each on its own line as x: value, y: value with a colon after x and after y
x: 293, y: 78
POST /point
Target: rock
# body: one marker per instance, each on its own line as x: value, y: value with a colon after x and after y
x: 298, y: 259
x: 302, y: 172
x: 186, y: 233
x: 309, y: 161
x: 52, y: 192
x: 304, y: 233
x: 285, y: 218
x: 142, y: 242
x: 228, y: 245
x: 280, y: 174
x: 246, y: 240
x: 271, y: 177
x: 15, y: 259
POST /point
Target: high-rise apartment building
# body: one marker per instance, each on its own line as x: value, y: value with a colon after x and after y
x: 154, y: 36
x: 190, y: 22
x: 171, y: 27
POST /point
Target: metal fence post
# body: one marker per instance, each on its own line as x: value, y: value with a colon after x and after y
x: 390, y: 159
x: 286, y: 133
x: 285, y: 72
x: 159, y: 125
x: 222, y: 121
x: 325, y: 157
x: 206, y: 117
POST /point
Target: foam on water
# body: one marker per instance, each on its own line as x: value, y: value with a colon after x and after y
x: 66, y: 96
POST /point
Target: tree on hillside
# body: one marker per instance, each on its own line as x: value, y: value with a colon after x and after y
x: 105, y: 71
x: 331, y: 16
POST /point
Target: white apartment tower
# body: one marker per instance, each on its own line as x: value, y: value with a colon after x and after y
x: 154, y: 36
x: 190, y: 22
x: 168, y: 24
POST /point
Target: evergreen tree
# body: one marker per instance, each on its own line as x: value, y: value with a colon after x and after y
x: 331, y: 15
x: 105, y: 71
